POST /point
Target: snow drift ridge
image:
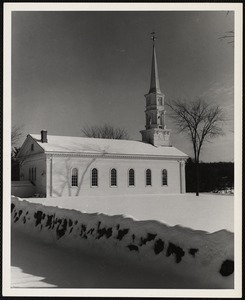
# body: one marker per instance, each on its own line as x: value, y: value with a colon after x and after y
x: 191, y: 253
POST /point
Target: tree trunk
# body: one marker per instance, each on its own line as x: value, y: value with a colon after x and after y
x: 197, y: 178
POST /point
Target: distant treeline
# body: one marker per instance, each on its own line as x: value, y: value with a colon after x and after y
x: 213, y: 176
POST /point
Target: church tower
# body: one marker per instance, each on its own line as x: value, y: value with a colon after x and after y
x: 155, y: 131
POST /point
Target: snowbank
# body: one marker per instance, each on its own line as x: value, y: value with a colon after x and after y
x: 208, y: 212
x: 193, y: 254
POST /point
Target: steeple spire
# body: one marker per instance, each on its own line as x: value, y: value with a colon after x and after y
x: 155, y: 132
x: 155, y: 86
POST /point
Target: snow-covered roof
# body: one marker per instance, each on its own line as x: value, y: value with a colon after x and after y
x: 70, y: 144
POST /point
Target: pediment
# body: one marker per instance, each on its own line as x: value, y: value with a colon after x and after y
x: 29, y: 147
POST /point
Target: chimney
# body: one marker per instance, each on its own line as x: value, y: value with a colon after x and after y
x: 44, y: 134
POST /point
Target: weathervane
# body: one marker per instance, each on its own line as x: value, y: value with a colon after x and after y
x: 153, y: 37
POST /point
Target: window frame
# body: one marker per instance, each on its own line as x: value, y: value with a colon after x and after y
x: 76, y: 177
x: 146, y: 178
x: 113, y: 185
x: 96, y: 178
x: 131, y: 185
x: 163, y: 177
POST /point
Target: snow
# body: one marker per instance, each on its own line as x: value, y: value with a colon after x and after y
x: 70, y: 144
x: 192, y: 258
x: 37, y: 264
x: 209, y: 212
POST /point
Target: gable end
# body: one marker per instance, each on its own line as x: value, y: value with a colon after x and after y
x: 29, y: 147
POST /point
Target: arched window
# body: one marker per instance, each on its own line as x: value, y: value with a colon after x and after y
x: 131, y: 177
x: 94, y: 177
x: 148, y: 177
x: 164, y: 177
x: 74, y: 177
x: 113, y: 177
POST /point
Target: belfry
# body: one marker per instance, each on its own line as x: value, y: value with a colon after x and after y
x: 155, y: 131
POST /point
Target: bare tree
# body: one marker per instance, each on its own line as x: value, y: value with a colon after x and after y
x: 16, y: 134
x: 105, y: 131
x: 201, y: 121
x: 229, y: 36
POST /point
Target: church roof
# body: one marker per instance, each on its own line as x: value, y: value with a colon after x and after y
x: 84, y: 145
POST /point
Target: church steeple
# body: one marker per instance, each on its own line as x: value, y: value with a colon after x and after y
x: 155, y: 86
x: 155, y: 131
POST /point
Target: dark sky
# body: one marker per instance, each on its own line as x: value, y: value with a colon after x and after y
x: 71, y: 69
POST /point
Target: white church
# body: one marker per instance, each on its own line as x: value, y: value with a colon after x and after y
x: 78, y: 166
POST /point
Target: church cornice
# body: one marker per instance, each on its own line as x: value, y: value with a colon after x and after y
x: 150, y: 108
x: 115, y: 156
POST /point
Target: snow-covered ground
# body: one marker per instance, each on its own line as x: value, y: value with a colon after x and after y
x: 36, y: 264
x: 173, y: 256
x: 209, y: 212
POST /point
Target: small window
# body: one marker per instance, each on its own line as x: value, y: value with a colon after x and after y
x: 94, y: 177
x: 164, y: 177
x: 113, y: 177
x: 32, y: 174
x: 131, y: 177
x: 160, y: 101
x: 32, y: 147
x: 74, y: 177
x: 148, y: 177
